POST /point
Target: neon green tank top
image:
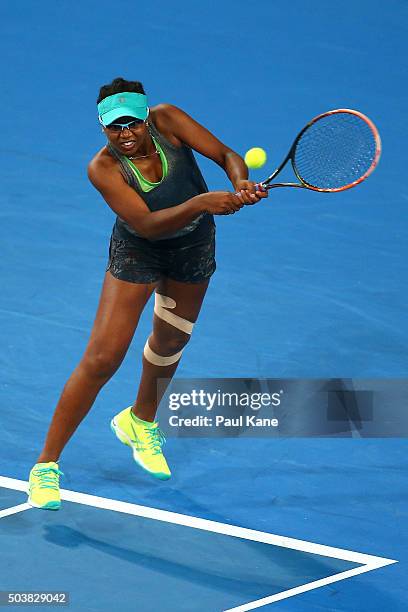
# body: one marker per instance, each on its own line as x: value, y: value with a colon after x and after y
x: 146, y: 185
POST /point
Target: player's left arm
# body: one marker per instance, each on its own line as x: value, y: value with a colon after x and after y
x: 196, y: 136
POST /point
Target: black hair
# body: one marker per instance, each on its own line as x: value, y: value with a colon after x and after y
x: 119, y: 85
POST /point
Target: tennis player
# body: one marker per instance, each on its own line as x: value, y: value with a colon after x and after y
x: 163, y: 241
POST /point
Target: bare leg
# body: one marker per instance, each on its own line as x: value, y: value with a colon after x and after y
x: 120, y: 306
x: 167, y: 340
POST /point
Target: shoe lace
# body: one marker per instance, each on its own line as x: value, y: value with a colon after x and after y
x: 48, y: 477
x: 155, y: 439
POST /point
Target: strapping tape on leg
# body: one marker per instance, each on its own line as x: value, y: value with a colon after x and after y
x: 161, y: 303
x: 160, y: 360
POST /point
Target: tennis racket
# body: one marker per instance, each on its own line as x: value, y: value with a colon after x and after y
x: 335, y: 151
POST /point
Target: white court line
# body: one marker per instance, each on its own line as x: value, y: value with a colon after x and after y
x: 14, y: 510
x: 369, y: 562
x: 303, y: 588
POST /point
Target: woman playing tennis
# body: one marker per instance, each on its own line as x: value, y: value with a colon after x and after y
x: 163, y: 241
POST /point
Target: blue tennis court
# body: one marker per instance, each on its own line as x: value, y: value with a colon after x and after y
x: 308, y: 286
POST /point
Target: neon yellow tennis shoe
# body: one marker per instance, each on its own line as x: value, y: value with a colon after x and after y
x: 146, y: 441
x: 43, y: 489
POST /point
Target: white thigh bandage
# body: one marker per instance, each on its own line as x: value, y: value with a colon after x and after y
x: 161, y: 303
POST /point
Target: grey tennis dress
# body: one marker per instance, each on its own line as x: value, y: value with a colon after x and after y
x: 187, y: 255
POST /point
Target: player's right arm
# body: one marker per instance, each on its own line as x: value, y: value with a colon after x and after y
x: 130, y: 207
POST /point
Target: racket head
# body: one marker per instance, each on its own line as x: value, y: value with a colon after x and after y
x: 336, y: 150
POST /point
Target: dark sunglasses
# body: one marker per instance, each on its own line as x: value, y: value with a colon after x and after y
x: 132, y: 125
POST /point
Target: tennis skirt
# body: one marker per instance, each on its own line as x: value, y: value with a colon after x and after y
x: 185, y: 260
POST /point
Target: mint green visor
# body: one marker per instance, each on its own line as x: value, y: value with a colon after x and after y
x: 124, y: 104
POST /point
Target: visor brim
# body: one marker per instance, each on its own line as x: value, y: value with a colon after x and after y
x: 114, y: 114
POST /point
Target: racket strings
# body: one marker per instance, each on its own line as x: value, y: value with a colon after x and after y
x: 335, y: 151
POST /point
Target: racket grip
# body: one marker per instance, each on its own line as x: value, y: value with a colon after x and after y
x: 258, y: 187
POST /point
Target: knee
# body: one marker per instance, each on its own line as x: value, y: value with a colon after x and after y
x: 169, y: 344
x: 101, y: 363
x: 171, y: 333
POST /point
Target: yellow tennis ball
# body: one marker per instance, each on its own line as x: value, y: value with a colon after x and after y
x: 255, y: 157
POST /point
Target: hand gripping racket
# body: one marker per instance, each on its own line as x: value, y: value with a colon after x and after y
x: 335, y: 151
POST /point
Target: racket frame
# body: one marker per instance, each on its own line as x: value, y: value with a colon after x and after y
x: 291, y: 156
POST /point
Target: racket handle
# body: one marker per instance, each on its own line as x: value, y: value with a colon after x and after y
x: 258, y: 187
